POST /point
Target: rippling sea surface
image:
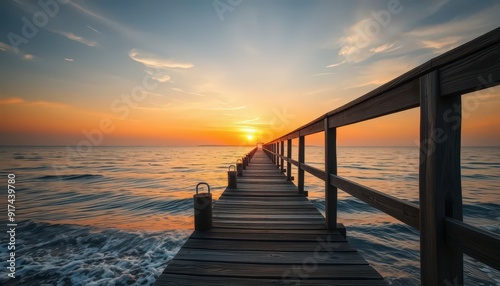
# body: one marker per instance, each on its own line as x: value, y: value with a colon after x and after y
x: 118, y: 215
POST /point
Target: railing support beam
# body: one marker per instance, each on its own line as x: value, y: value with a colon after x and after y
x: 289, y: 156
x: 330, y: 168
x: 302, y: 147
x: 439, y: 183
x: 282, y: 152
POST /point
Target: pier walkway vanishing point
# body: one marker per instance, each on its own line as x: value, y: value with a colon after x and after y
x: 265, y: 233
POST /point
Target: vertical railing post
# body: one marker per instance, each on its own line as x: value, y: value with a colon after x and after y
x: 282, y: 154
x: 277, y: 154
x: 273, y: 149
x: 330, y: 168
x: 439, y: 183
x: 276, y: 161
x: 289, y: 164
x: 300, y: 182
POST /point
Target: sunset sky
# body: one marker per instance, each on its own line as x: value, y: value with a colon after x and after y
x: 221, y: 72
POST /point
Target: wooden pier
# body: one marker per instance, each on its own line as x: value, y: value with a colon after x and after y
x: 266, y: 233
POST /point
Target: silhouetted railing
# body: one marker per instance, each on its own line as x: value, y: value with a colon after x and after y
x: 436, y: 86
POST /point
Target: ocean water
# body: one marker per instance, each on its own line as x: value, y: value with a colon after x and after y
x: 118, y: 215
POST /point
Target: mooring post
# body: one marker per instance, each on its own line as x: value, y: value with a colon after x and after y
x: 202, y: 209
x: 232, y: 181
x: 239, y: 167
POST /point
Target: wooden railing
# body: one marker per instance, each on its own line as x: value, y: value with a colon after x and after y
x: 436, y: 86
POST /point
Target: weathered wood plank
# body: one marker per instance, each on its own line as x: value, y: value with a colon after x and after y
x: 269, y: 216
x: 278, y: 271
x: 330, y: 168
x: 312, y: 129
x: 320, y: 232
x: 256, y: 235
x: 300, y: 171
x: 402, y: 210
x: 268, y: 210
x: 185, y: 280
x: 479, y: 71
x: 262, y: 225
x: 475, y: 242
x: 291, y: 246
x: 402, y: 98
x: 320, y: 174
x: 270, y: 257
x: 288, y: 163
x: 439, y: 183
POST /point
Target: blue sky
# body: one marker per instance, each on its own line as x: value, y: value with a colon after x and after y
x: 219, y: 65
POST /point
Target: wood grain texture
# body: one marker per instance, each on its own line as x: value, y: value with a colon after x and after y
x: 330, y: 168
x: 440, y: 187
x: 476, y: 72
x: 276, y: 271
x: 189, y: 280
x: 402, y: 210
x: 300, y: 171
x: 263, y: 232
x: 320, y: 174
x: 288, y: 163
x: 475, y: 242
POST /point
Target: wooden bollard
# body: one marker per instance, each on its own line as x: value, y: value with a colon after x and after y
x: 245, y: 163
x: 232, y: 182
x: 239, y: 167
x: 202, y: 209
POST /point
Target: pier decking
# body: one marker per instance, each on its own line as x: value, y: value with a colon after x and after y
x: 265, y: 233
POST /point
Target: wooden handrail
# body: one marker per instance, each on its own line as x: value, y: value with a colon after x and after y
x: 436, y: 86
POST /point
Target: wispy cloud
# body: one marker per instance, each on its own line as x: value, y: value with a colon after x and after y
x: 93, y: 29
x: 4, y: 47
x: 106, y: 20
x: 324, y: 73
x: 248, y: 121
x: 383, y: 48
x: 11, y: 100
x: 154, y: 61
x: 183, y: 91
x: 69, y: 59
x: 355, y: 45
x: 18, y: 100
x: 226, y: 108
x: 336, y: 65
x: 317, y: 91
x: 77, y: 38
x: 443, y: 44
x: 158, y: 75
x: 374, y: 83
x: 445, y: 36
x: 9, y: 49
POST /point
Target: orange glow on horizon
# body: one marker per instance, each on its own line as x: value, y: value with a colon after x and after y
x: 70, y: 125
